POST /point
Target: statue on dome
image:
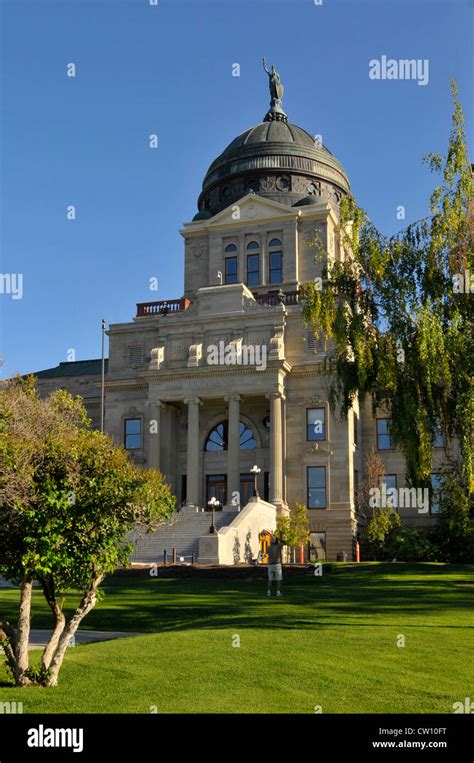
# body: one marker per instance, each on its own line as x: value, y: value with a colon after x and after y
x: 274, y: 81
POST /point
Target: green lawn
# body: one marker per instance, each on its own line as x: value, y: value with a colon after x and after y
x: 330, y: 642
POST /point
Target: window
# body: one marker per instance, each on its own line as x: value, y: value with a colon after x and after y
x: 356, y: 485
x: 316, y: 481
x: 439, y: 438
x: 133, y: 434
x: 437, y: 482
x: 275, y: 259
x: 253, y: 270
x: 317, y: 547
x: 135, y: 355
x: 231, y: 270
x: 230, y: 248
x: 390, y: 482
x: 314, y: 345
x: 253, y: 245
x: 356, y: 429
x: 316, y: 424
x: 217, y: 440
x: 384, y: 441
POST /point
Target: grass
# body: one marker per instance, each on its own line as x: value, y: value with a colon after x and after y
x: 330, y: 642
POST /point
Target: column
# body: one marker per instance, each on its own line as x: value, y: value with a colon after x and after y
x: 154, y: 433
x: 192, y: 469
x: 233, y: 448
x: 276, y: 449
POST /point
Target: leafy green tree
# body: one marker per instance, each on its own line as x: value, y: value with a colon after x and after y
x: 68, y: 499
x: 293, y: 531
x: 398, y: 312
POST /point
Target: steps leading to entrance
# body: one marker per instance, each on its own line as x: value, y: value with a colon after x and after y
x: 183, y: 535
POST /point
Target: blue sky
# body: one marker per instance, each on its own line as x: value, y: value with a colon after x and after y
x: 167, y: 70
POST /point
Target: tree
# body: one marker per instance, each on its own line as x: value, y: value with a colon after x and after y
x: 398, y: 314
x: 68, y: 499
x: 293, y: 531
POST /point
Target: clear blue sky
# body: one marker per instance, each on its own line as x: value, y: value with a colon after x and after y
x: 167, y: 70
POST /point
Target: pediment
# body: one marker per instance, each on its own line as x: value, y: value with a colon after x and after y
x: 251, y: 207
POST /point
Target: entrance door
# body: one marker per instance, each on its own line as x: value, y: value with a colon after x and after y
x: 246, y: 488
x: 216, y: 488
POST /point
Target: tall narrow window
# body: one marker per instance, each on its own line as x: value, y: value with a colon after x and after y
x: 231, y: 269
x: 133, y: 434
x: 316, y: 484
x: 356, y: 429
x: 384, y: 441
x: 275, y: 261
x: 253, y: 264
x: 316, y: 424
x: 437, y: 481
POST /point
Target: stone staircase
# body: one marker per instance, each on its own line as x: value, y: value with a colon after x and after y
x: 183, y: 535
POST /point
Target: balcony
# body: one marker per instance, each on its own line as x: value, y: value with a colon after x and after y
x: 163, y: 307
x: 280, y: 297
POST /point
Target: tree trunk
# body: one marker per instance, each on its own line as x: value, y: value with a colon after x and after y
x: 59, y: 621
x: 23, y: 634
x: 87, y: 603
x: 52, y: 644
x: 8, y: 643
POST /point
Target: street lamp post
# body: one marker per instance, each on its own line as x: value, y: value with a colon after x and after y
x: 214, y: 504
x: 255, y: 470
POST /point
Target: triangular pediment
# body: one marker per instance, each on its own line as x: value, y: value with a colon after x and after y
x: 248, y: 208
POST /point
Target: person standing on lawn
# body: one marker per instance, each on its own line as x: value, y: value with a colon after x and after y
x: 274, y: 565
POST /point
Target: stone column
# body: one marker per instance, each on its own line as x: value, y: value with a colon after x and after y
x: 192, y: 469
x: 233, y: 448
x: 154, y: 433
x: 276, y: 449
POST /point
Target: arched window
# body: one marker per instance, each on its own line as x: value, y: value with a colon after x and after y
x: 275, y: 261
x: 253, y: 264
x: 230, y: 263
x: 217, y: 439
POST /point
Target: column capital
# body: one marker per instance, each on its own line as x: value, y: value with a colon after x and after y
x: 274, y: 395
x: 233, y: 396
x: 158, y: 403
x: 196, y: 400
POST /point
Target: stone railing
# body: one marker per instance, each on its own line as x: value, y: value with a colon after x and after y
x: 163, y: 307
x: 272, y: 298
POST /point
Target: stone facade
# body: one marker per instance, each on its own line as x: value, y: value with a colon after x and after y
x: 233, y: 359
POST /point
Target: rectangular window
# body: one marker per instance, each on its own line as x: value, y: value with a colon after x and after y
x: 390, y: 481
x: 317, y: 547
x: 437, y: 481
x: 133, y: 434
x: 231, y: 270
x: 315, y: 423
x: 356, y: 429
x: 439, y: 439
x: 316, y: 481
x: 135, y: 355
x: 253, y: 270
x: 276, y: 270
x: 384, y: 441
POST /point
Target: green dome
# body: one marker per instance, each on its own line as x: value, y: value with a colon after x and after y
x: 276, y: 160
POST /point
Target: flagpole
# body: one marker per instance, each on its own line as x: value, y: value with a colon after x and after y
x: 102, y: 381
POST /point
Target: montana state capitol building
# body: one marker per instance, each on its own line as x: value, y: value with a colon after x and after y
x: 227, y: 377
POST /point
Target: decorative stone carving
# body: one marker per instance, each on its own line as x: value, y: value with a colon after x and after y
x: 195, y: 355
x: 157, y: 358
x: 277, y: 344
